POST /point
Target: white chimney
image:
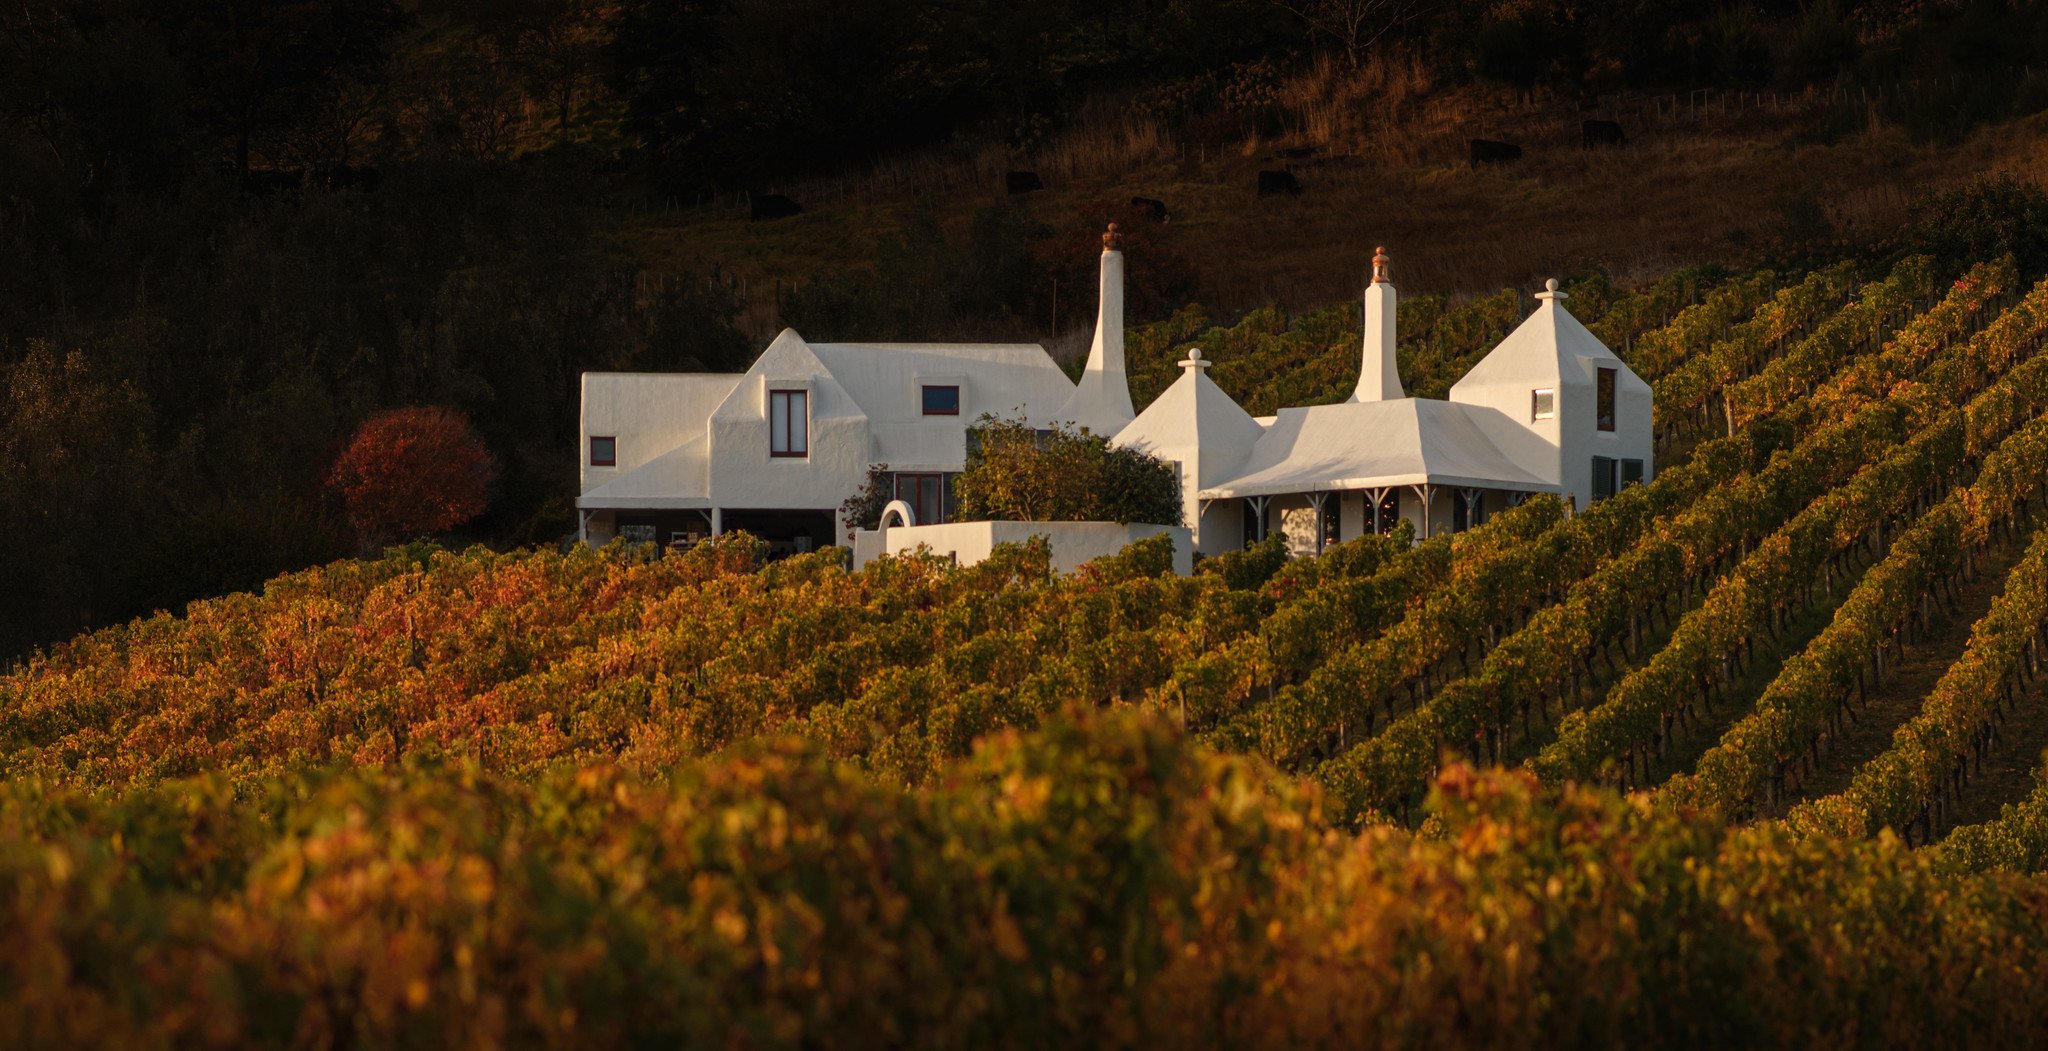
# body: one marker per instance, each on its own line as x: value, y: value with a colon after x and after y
x: 1102, y: 399
x: 1379, y: 378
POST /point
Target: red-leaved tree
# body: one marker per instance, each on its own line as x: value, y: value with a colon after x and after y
x: 413, y: 471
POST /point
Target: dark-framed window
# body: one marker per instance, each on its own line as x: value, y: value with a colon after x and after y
x: 1631, y: 474
x: 941, y: 399
x: 604, y: 451
x: 1603, y: 399
x: 1603, y: 477
x: 926, y: 495
x: 789, y: 423
x: 1543, y: 403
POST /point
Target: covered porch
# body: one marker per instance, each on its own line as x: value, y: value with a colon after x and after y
x: 1315, y: 519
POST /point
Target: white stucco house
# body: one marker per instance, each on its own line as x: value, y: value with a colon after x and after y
x: 776, y: 449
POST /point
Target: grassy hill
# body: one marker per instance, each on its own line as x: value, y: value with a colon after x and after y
x: 1718, y: 177
x: 593, y: 797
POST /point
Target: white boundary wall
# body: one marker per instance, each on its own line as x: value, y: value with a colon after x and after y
x: 1073, y: 543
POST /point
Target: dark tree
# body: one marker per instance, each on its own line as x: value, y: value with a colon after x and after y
x: 261, y: 70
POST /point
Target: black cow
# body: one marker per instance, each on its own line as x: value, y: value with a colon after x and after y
x: 1022, y: 182
x: 1601, y: 133
x: 774, y: 206
x: 1487, y: 151
x: 1154, y: 208
x: 1272, y: 184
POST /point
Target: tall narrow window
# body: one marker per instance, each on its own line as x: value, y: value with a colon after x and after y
x: 1631, y: 474
x: 926, y: 495
x: 1603, y: 477
x: 1603, y: 399
x: 941, y: 400
x: 1542, y: 403
x: 789, y: 423
x: 604, y: 452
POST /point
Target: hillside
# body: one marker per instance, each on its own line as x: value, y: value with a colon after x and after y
x: 1714, y: 177
x: 445, y: 796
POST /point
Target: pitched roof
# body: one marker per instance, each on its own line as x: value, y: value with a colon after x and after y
x: 1001, y: 379
x: 675, y: 479
x: 1195, y: 414
x: 1542, y: 345
x: 1359, y: 445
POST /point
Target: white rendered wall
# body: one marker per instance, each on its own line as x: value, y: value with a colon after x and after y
x: 1073, y: 543
x: 1222, y: 528
x: 1630, y: 439
x: 744, y: 473
x: 649, y: 413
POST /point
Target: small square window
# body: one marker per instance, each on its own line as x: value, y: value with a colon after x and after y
x: 941, y: 400
x: 604, y: 452
x: 1543, y: 403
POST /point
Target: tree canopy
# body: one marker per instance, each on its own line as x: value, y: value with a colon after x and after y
x: 1018, y: 474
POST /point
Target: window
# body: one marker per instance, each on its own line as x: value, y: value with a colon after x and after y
x: 789, y: 423
x: 1603, y: 398
x: 1542, y: 403
x: 1603, y: 477
x: 604, y: 452
x: 941, y: 401
x: 926, y: 495
x: 1631, y: 474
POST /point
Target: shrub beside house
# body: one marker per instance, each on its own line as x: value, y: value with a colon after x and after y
x: 1084, y: 496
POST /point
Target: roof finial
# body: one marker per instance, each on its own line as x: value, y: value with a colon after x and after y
x: 1112, y: 239
x: 1379, y: 266
x: 1195, y: 360
x: 1550, y: 291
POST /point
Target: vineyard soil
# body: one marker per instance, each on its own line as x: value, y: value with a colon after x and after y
x: 1907, y: 683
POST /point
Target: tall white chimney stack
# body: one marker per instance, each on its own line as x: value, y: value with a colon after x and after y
x: 1102, y: 399
x: 1379, y: 378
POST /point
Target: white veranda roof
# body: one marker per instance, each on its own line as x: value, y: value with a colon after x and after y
x: 1362, y: 445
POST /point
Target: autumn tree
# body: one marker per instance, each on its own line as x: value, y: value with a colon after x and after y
x: 413, y: 470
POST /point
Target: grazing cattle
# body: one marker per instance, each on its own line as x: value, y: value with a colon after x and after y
x: 1022, y: 182
x: 1154, y: 208
x: 1601, y: 133
x: 1272, y: 184
x: 774, y: 206
x: 344, y: 177
x: 1487, y: 151
x: 263, y: 182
